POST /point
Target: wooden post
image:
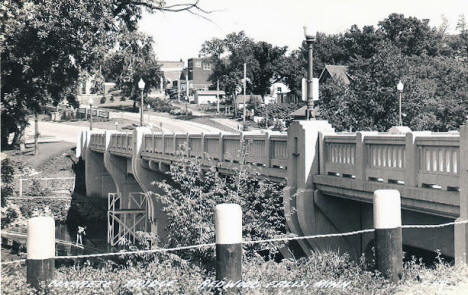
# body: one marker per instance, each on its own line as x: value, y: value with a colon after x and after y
x: 40, y: 246
x: 388, y: 236
x: 228, y: 226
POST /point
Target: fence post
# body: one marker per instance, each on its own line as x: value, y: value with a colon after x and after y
x: 388, y: 236
x: 40, y: 246
x: 228, y: 226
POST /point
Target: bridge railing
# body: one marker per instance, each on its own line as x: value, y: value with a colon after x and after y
x: 98, y: 141
x: 418, y: 159
x: 121, y: 143
x: 268, y: 150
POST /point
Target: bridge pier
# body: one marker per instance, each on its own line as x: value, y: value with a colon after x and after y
x: 97, y: 179
x: 145, y: 175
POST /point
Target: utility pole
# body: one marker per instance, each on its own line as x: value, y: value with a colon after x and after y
x: 245, y: 74
x: 217, y: 96
x: 36, y: 132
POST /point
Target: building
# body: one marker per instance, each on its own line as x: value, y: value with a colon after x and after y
x: 208, y: 96
x: 336, y: 72
x: 199, y: 71
x: 171, y: 71
x: 280, y: 92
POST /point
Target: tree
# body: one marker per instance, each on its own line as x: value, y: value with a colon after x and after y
x: 291, y: 70
x: 229, y: 55
x: 411, y: 35
x: 46, y: 45
x: 264, y: 65
x: 134, y: 59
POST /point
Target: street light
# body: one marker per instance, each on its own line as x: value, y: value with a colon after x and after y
x: 309, y: 34
x: 90, y: 101
x: 141, y: 86
x: 400, y: 88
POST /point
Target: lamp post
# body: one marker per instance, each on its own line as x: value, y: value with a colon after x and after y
x: 400, y: 88
x: 90, y: 101
x: 141, y: 86
x: 309, y: 34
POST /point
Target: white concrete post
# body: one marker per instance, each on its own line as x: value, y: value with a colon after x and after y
x: 228, y: 227
x: 388, y: 236
x: 40, y: 246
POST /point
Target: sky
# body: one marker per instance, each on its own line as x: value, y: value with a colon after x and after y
x: 280, y: 22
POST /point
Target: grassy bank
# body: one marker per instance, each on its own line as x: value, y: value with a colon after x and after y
x: 322, y: 273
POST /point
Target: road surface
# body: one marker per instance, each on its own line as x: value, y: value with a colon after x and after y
x: 51, y: 131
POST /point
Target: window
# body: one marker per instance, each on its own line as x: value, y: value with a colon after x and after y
x: 197, y: 64
x: 206, y: 66
x: 278, y: 90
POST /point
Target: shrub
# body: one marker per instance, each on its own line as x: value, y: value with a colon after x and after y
x: 7, y: 180
x: 11, y: 213
x: 181, y: 113
x: 278, y: 111
x: 160, y: 105
x: 191, y: 195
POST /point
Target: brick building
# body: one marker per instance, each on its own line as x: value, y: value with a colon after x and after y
x: 199, y: 72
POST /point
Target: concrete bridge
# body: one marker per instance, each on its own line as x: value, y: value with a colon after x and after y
x: 330, y: 178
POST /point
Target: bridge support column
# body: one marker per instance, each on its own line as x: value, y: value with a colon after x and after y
x: 145, y: 176
x: 303, y: 163
x: 461, y: 230
x: 98, y: 181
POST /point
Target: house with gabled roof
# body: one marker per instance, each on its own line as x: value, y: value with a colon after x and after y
x: 336, y: 72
